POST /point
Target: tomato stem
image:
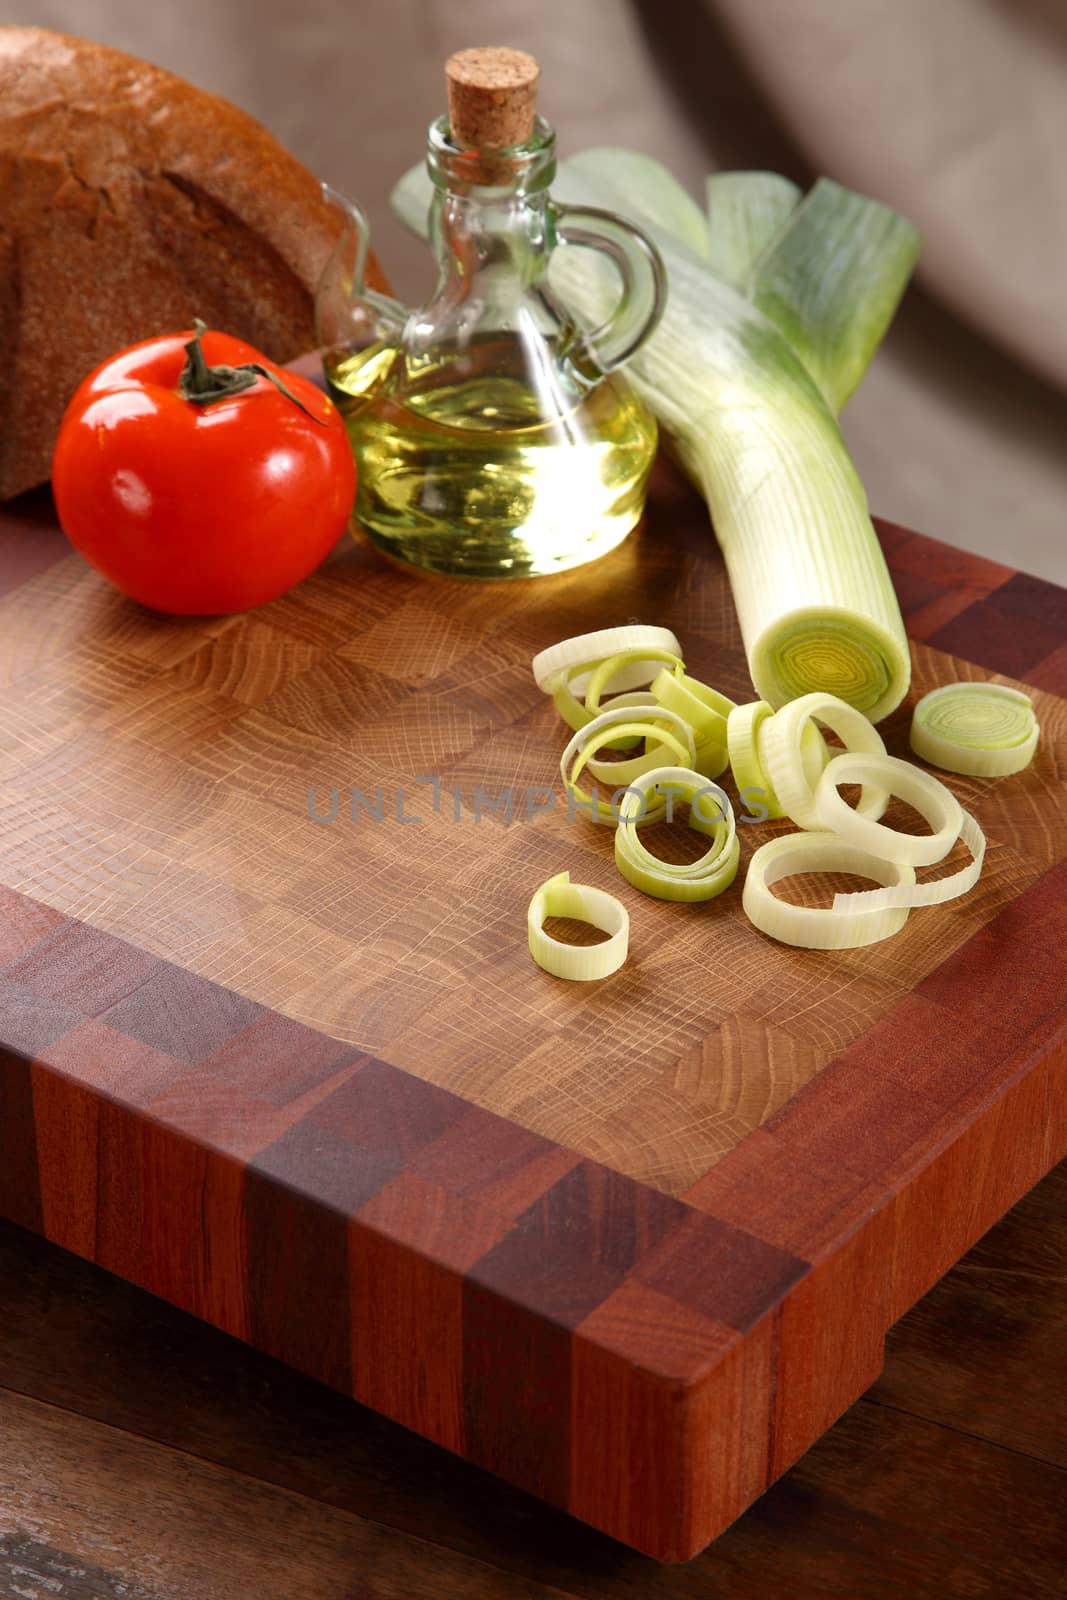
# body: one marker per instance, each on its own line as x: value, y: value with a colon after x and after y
x: 203, y: 385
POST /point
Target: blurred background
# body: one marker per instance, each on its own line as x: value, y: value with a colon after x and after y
x: 954, y: 111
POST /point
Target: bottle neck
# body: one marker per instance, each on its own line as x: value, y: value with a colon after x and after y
x: 490, y: 218
x: 522, y: 171
x: 495, y: 251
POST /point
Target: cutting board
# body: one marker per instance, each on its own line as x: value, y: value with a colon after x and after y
x: 277, y: 1052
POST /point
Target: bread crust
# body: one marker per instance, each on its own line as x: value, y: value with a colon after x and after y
x: 131, y: 202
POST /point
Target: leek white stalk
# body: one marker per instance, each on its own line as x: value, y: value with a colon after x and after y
x: 749, y: 421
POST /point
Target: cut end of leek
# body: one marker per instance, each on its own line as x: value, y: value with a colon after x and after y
x: 559, y: 897
x: 840, y: 653
x: 983, y: 730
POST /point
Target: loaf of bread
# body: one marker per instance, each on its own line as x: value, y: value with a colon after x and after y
x: 131, y: 202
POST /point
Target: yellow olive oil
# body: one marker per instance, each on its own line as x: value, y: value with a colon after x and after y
x: 483, y: 462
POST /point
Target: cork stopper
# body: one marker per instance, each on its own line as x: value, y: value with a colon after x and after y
x: 492, y: 96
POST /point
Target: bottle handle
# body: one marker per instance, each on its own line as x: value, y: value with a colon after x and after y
x: 347, y: 313
x: 644, y: 286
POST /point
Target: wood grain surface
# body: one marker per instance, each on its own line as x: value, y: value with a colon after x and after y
x: 148, y: 1457
x: 632, y: 1246
x: 156, y: 782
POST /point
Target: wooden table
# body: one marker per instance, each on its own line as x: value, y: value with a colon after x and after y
x: 144, y: 1456
x: 633, y: 1248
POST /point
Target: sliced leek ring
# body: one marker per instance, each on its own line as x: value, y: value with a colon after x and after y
x: 742, y: 740
x: 850, y: 922
x: 586, y: 649
x: 985, y: 730
x: 930, y: 797
x: 705, y: 709
x: 614, y: 672
x: 782, y: 754
x: 702, y: 879
x: 745, y: 733
x: 576, y: 716
x: 665, y: 731
x: 935, y: 804
x: 559, y: 897
x: 934, y: 893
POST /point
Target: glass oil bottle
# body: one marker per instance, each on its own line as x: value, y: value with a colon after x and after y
x: 494, y: 436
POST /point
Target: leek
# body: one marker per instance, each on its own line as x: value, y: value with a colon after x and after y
x: 659, y: 728
x: 745, y: 211
x: 748, y: 420
x: 935, y: 804
x: 985, y: 730
x: 702, y: 879
x: 559, y: 897
x: 852, y: 921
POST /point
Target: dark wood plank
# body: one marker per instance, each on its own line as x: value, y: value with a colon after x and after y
x: 91, y: 1511
x: 905, y: 1508
x: 1005, y: 1307
x: 903, y: 1496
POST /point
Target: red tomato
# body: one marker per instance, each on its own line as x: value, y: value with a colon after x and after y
x: 200, y: 509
